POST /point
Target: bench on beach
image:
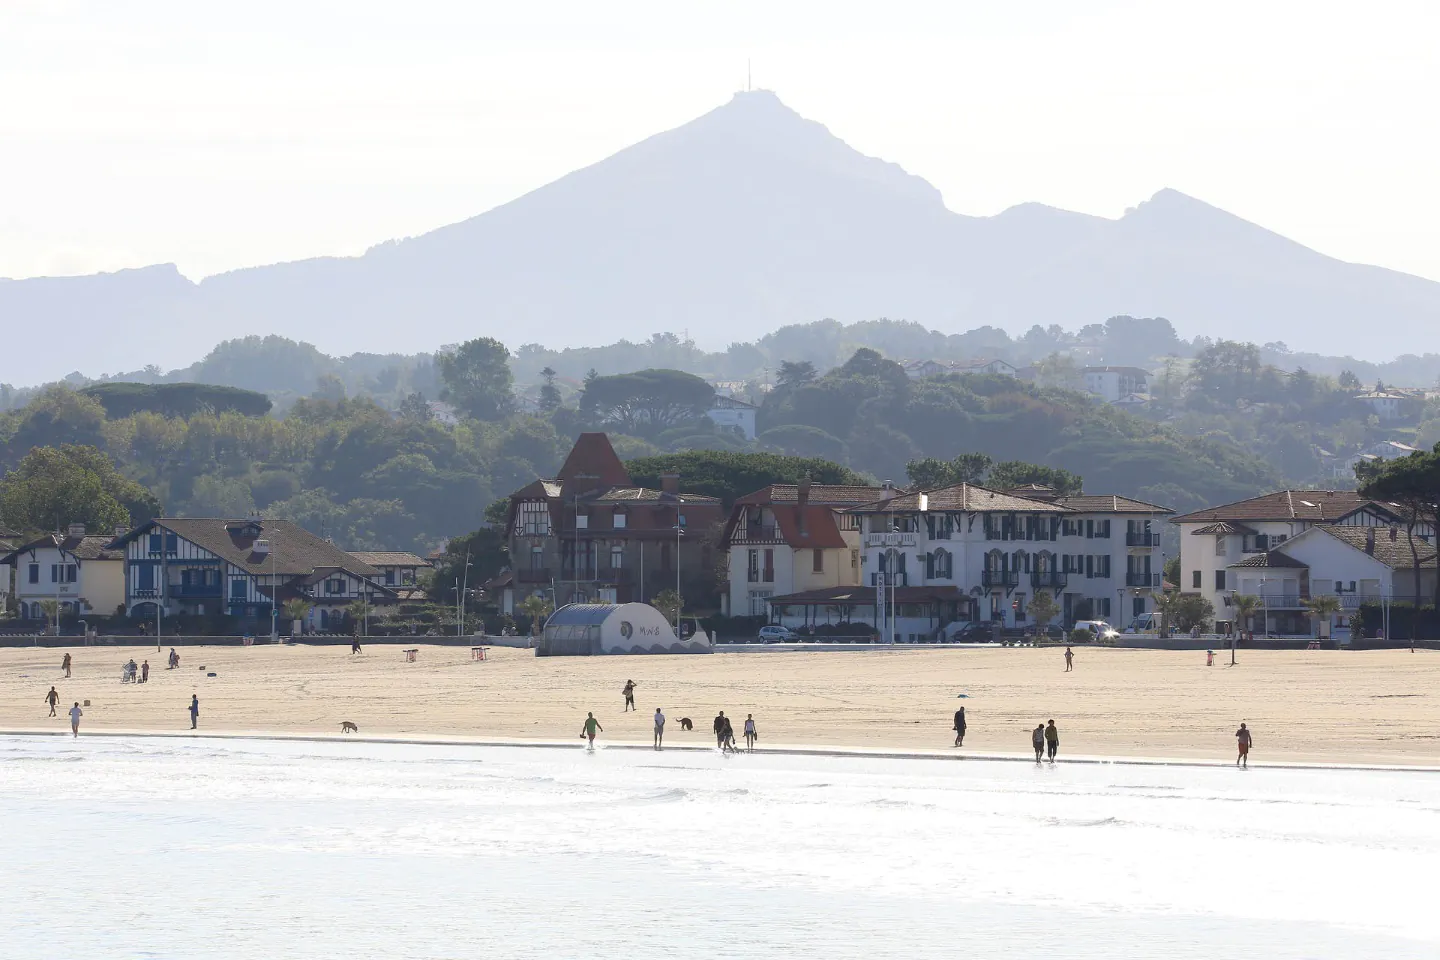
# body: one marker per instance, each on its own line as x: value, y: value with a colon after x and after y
x: 411, y: 654
x: 477, y: 653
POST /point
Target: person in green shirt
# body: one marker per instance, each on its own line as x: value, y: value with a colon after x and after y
x: 592, y: 726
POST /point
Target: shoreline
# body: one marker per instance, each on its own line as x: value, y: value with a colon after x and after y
x: 783, y: 750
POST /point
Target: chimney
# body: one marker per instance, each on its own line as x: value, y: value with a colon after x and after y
x: 670, y: 483
x: 1370, y: 540
x: 887, y: 490
x: 75, y: 530
x: 802, y: 493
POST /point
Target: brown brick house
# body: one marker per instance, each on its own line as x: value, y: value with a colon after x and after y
x: 590, y: 534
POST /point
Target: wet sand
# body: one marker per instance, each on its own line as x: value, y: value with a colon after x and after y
x: 1378, y: 707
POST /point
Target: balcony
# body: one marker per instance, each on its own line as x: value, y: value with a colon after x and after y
x: 1142, y: 579
x: 194, y: 591
x: 1049, y: 580
x: 533, y: 575
x: 1142, y: 539
x: 889, y: 539
x: 999, y: 578
x: 896, y: 579
x: 760, y: 533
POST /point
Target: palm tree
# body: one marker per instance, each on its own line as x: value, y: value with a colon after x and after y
x: 537, y: 608
x: 1245, y: 606
x: 296, y: 609
x: 51, y: 609
x: 1167, y: 604
x: 359, y: 612
x: 1322, y: 607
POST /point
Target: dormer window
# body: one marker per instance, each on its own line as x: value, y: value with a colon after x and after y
x: 618, y: 520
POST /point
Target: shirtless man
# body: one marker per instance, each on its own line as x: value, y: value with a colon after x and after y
x: 52, y: 698
x: 629, y: 691
x: 659, y: 728
x: 1242, y: 742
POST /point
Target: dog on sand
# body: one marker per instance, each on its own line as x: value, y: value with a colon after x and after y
x: 347, y: 727
x: 686, y: 724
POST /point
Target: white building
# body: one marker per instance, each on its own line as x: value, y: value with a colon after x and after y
x: 77, y: 571
x: 1384, y: 404
x: 792, y: 537
x: 730, y: 413
x: 967, y: 553
x: 999, y: 367
x: 1231, y: 548
x: 916, y: 369
x: 1112, y: 384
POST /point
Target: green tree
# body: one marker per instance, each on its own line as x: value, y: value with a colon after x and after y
x: 1192, y: 610
x: 537, y: 607
x: 477, y: 378
x: 51, y: 609
x: 647, y: 402
x: 669, y: 603
x: 729, y: 475
x: 55, y: 487
x: 359, y: 612
x: 1348, y: 381
x: 1016, y: 473
x: 1043, y: 609
x: 549, y: 393
x: 1322, y: 607
x: 415, y: 408
x: 296, y: 608
x: 1245, y: 606
x: 930, y: 473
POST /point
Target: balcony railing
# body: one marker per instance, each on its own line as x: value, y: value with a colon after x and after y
x: 1142, y: 539
x: 889, y: 539
x: 195, y: 591
x: 533, y: 575
x: 1000, y: 578
x: 761, y: 532
x: 1142, y: 579
x: 895, y: 579
x: 1049, y: 579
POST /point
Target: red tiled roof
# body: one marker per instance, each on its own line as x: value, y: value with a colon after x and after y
x: 593, y: 456
x: 1109, y: 503
x: 821, y: 530
x: 1271, y: 559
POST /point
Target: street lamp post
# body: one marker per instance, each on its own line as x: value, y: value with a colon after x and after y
x: 678, y: 531
x: 460, y: 600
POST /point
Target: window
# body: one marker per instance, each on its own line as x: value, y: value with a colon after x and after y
x: 34, y: 573
x: 854, y: 560
x: 769, y: 571
x: 238, y: 589
x: 172, y: 543
x: 1195, y: 579
x: 407, y: 578
x: 390, y: 577
x: 145, y: 577
x: 1102, y: 529
x: 753, y: 566
x: 618, y: 520
x: 1219, y: 546
x: 617, y: 556
x: 1137, y: 606
x: 1089, y: 566
x: 1219, y: 579
x: 758, y: 607
x: 817, y: 561
x: 582, y: 521
x: 1103, y: 606
x: 155, y: 542
x: 335, y: 585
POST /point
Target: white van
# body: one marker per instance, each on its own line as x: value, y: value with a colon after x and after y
x: 1099, y: 629
x: 1145, y: 623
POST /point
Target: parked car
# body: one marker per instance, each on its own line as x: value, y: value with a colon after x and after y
x: 774, y: 633
x: 1145, y: 623
x: 969, y: 631
x: 1101, y: 631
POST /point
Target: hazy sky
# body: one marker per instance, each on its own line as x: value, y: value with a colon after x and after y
x: 224, y: 135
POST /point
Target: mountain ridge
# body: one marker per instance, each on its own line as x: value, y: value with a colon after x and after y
x: 742, y: 220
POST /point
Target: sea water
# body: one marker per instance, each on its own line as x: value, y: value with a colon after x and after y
x: 120, y: 847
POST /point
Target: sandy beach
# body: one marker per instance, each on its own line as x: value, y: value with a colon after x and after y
x: 1379, y: 707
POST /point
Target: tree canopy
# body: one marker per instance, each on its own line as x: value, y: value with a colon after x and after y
x: 54, y: 487
x: 646, y: 402
x: 732, y: 475
x: 477, y: 378
x: 123, y: 399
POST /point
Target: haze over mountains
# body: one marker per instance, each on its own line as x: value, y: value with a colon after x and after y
x: 742, y: 220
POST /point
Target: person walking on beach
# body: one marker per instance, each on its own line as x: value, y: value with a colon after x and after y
x: 1052, y: 740
x: 1037, y: 740
x: 719, y: 726
x: 52, y: 698
x: 75, y: 715
x: 727, y: 738
x: 959, y: 727
x: 194, y: 710
x: 591, y: 727
x: 1069, y: 659
x: 174, y: 660
x: 659, y: 728
x: 1243, y: 741
x: 629, y: 691
x: 751, y: 735
x: 145, y: 672
x: 65, y: 665
x: 355, y: 644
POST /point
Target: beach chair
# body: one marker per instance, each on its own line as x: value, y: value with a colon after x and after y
x: 477, y: 653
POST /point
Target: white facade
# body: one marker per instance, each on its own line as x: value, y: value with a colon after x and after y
x: 1385, y: 405
x: 1000, y: 367
x: 730, y: 413
x: 1095, y: 563
x: 47, y: 570
x: 1111, y: 384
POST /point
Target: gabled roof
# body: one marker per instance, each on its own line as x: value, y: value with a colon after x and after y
x: 82, y: 548
x: 646, y: 495
x: 1109, y: 503
x: 1314, y: 506
x: 1390, y: 544
x: 966, y: 497
x: 389, y: 558
x: 294, y: 551
x: 1271, y: 559
x: 819, y: 531
x: 593, y: 456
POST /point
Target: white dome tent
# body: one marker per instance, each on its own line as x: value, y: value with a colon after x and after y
x: 595, y: 629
